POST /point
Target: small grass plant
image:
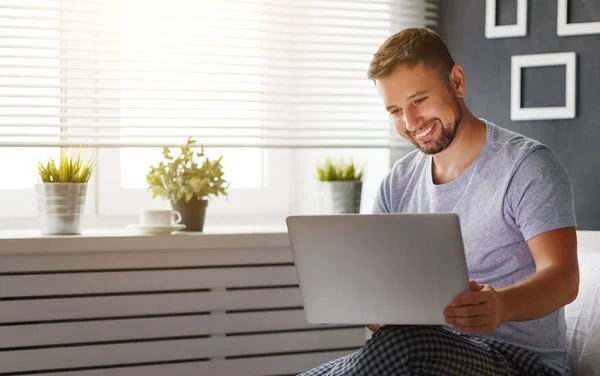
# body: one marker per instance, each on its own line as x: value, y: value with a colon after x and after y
x: 340, y: 170
x: 66, y: 169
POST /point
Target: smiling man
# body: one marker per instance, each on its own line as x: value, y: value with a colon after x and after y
x: 515, y: 204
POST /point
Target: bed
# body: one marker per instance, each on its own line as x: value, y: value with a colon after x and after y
x: 583, y: 315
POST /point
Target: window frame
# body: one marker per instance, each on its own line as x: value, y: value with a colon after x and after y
x: 272, y: 198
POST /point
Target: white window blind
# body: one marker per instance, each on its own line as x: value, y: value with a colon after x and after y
x: 239, y: 73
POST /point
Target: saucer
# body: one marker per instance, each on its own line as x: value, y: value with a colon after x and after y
x: 154, y: 230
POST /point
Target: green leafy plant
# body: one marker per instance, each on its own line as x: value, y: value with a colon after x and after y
x: 341, y: 170
x: 189, y: 175
x: 68, y: 169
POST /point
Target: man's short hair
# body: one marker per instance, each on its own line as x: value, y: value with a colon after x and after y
x: 411, y: 47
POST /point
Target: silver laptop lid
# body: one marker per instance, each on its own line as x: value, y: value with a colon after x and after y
x: 378, y: 268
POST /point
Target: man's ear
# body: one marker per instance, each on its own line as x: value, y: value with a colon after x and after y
x: 458, y: 83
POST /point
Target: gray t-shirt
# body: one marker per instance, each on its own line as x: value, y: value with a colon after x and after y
x: 515, y: 189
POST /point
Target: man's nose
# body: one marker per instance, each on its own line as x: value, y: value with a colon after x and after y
x: 412, y: 120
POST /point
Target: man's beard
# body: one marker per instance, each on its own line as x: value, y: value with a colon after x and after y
x: 448, y: 133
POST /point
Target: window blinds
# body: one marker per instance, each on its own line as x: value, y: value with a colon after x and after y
x: 256, y: 73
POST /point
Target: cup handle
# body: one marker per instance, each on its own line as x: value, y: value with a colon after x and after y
x: 177, y: 217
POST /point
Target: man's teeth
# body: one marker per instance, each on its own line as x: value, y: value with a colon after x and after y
x: 425, y: 132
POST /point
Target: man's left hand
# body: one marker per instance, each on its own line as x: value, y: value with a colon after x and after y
x: 480, y: 310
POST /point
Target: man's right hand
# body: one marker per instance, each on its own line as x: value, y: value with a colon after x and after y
x: 374, y: 327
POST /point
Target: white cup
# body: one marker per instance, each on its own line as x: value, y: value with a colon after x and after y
x: 159, y: 218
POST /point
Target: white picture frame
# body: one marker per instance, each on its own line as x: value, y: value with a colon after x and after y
x: 569, y: 59
x: 505, y: 31
x: 564, y: 28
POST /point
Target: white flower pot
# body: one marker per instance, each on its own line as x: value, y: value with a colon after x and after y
x: 339, y: 197
x: 60, y: 206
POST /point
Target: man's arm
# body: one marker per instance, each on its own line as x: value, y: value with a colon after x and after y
x: 554, y: 284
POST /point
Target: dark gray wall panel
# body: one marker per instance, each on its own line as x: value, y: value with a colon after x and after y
x: 487, y: 68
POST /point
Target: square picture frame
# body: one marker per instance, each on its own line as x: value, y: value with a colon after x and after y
x: 564, y: 28
x: 505, y: 31
x: 568, y: 111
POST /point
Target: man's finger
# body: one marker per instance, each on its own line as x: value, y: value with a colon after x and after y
x: 473, y: 329
x: 469, y: 297
x: 467, y: 310
x: 475, y: 286
x: 469, y: 321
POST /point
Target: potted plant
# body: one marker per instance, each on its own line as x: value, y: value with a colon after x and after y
x: 61, y: 193
x: 340, y: 186
x: 188, y: 180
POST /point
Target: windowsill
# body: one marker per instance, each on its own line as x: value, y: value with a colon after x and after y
x: 125, y: 232
x: 20, y: 242
x: 93, y: 224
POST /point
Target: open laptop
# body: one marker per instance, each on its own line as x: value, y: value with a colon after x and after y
x: 378, y: 268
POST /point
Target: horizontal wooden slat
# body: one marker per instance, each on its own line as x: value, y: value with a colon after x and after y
x: 155, y: 280
x: 84, y: 356
x: 261, y: 366
x: 167, y: 258
x: 151, y: 304
x: 155, y: 327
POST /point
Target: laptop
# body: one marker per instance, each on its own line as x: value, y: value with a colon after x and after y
x: 378, y: 268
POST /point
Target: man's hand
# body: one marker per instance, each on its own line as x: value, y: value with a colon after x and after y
x: 374, y: 327
x: 480, y: 310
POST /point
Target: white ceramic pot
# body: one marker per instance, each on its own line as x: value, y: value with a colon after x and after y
x: 60, y: 206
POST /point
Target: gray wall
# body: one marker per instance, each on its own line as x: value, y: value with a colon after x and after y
x: 487, y: 68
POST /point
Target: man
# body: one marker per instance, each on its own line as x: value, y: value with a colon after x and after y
x: 515, y: 204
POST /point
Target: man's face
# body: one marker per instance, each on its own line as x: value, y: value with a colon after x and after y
x: 423, y: 109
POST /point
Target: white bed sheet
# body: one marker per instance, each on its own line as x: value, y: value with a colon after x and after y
x: 583, y: 318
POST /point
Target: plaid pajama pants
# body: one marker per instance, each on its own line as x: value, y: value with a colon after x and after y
x: 434, y: 351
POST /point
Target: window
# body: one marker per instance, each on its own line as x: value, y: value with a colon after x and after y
x: 29, y: 86
x: 262, y: 82
x: 180, y: 64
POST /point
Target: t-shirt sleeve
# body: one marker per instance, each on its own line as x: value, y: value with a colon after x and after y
x: 382, y: 199
x: 540, y: 194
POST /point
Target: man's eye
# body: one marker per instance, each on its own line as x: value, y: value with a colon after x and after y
x: 420, y: 100
x: 396, y: 111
